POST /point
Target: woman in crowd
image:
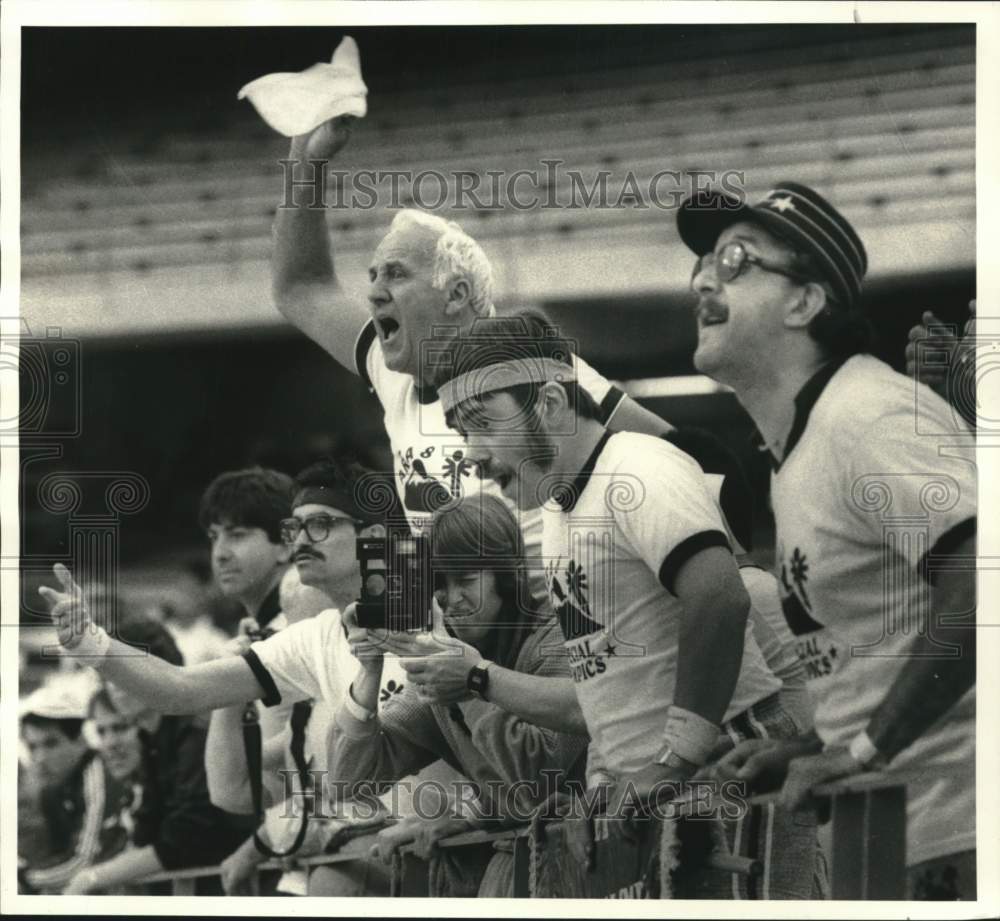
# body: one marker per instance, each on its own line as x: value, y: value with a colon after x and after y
x: 488, y: 692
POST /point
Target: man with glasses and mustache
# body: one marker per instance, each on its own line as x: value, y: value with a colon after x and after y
x: 874, y: 496
x: 306, y: 661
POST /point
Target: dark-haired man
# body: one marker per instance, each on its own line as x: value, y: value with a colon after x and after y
x: 874, y: 496
x: 640, y: 574
x: 241, y: 513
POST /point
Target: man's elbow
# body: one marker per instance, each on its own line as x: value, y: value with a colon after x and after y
x: 731, y: 607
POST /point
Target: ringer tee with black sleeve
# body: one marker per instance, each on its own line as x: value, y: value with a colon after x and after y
x: 878, y: 481
x: 613, y: 545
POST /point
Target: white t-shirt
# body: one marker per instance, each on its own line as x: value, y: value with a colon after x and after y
x: 311, y: 660
x: 642, y: 510
x: 863, y: 495
x: 429, y: 459
x: 777, y: 645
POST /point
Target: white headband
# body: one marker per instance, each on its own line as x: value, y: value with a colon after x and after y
x: 501, y: 376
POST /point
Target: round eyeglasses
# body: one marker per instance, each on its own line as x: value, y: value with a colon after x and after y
x: 317, y: 527
x: 732, y: 260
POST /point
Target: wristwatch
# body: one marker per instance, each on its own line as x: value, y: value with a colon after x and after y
x: 478, y: 679
x: 670, y: 759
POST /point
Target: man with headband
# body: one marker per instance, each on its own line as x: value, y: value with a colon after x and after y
x: 874, y: 496
x: 639, y: 570
x: 428, y: 282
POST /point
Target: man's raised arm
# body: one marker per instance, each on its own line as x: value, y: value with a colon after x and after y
x: 159, y: 685
x: 304, y: 283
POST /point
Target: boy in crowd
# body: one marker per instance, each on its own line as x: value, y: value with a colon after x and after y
x: 78, y: 798
x: 175, y: 824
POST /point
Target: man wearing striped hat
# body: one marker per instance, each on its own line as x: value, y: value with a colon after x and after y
x: 874, y: 496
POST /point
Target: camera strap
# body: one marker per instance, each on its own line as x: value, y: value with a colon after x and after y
x: 253, y: 747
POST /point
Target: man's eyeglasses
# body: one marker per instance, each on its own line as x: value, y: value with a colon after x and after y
x: 317, y: 527
x: 732, y: 260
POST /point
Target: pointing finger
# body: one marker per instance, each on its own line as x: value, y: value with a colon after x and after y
x: 66, y: 579
x: 51, y: 595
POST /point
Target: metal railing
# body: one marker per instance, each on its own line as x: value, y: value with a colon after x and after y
x: 867, y: 813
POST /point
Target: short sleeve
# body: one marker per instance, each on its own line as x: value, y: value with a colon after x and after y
x: 663, y: 508
x: 363, y: 352
x: 605, y: 394
x: 284, y: 664
x: 897, y: 474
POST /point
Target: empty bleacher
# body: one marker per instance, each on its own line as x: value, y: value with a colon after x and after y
x: 884, y: 126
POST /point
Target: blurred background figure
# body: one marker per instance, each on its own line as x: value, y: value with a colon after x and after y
x: 173, y: 823
x: 67, y: 798
x: 935, y: 356
x: 192, y: 629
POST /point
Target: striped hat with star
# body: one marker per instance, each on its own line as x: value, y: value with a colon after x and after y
x: 792, y: 211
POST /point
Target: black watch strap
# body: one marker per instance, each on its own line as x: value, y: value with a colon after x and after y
x: 478, y: 679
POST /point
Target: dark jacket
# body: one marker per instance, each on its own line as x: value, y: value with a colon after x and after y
x: 176, y: 816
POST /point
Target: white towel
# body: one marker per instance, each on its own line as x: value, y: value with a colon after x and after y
x: 296, y: 103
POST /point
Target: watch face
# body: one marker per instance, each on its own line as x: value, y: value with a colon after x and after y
x: 478, y: 678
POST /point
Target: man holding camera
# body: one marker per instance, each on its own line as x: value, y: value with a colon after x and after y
x: 874, y: 496
x: 301, y: 662
x: 320, y: 538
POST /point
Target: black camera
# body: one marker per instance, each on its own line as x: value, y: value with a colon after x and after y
x: 397, y: 587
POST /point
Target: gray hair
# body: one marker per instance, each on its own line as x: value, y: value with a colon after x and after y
x: 456, y: 255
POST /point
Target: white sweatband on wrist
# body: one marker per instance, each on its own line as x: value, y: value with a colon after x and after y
x: 94, y: 643
x: 600, y: 778
x: 362, y: 714
x: 863, y: 750
x: 689, y: 735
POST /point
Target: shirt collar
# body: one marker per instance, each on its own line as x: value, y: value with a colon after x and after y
x: 805, y: 400
x: 567, y: 493
x: 426, y: 394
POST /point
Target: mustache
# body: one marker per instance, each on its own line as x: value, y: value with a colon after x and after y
x: 311, y: 554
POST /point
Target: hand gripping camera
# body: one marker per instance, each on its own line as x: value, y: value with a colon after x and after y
x: 397, y: 586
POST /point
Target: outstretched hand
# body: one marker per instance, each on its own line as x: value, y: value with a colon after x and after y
x: 935, y: 334
x: 68, y: 608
